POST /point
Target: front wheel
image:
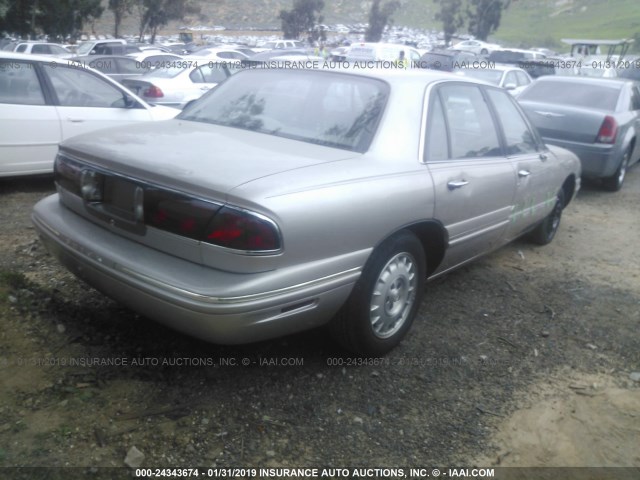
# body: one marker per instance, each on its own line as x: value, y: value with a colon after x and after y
x: 546, y: 230
x: 614, y: 182
x: 386, y: 298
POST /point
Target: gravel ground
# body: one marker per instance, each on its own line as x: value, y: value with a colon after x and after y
x: 505, y: 352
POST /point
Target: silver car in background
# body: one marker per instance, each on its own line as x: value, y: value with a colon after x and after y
x: 596, y: 118
x: 289, y: 199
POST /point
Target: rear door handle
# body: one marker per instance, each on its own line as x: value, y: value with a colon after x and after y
x: 75, y: 120
x: 457, y: 184
x: 524, y: 173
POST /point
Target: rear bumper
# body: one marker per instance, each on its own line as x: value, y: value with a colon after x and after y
x: 99, y: 257
x: 597, y: 160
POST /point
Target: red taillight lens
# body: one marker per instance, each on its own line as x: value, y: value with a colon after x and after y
x: 153, y: 92
x: 608, y: 131
x: 242, y: 230
x: 177, y: 213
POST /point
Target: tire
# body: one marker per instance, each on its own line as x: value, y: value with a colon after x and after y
x: 484, y: 51
x: 386, y: 298
x: 546, y: 230
x: 614, y: 182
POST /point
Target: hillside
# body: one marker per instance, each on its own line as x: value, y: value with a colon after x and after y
x: 526, y: 22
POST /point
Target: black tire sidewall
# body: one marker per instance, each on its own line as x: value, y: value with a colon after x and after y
x: 357, y: 329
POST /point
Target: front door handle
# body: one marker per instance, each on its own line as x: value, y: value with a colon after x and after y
x: 457, y: 184
x: 524, y: 173
x: 75, y: 120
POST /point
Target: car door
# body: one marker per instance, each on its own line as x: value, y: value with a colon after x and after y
x: 536, y: 187
x: 29, y: 125
x: 87, y: 102
x: 474, y: 184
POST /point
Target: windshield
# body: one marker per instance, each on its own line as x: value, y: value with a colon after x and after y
x: 325, y: 108
x: 575, y: 94
x: 84, y: 48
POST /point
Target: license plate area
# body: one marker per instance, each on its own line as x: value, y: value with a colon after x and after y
x: 115, y: 200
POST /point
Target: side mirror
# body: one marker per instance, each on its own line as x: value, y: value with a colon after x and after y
x: 510, y: 86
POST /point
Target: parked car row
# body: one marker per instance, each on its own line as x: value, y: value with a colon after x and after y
x: 249, y: 215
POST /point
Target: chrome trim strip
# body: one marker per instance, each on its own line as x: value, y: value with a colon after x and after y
x: 240, y: 299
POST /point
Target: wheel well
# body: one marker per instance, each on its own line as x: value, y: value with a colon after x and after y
x: 569, y: 188
x: 433, y: 237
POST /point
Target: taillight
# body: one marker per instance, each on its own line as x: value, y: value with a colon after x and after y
x: 153, y: 92
x: 608, y: 130
x: 176, y: 213
x: 242, y: 230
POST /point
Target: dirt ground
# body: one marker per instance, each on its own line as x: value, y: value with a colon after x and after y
x: 527, y: 357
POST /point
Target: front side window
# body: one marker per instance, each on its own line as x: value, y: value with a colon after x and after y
x: 471, y: 128
x: 19, y: 84
x: 518, y: 136
x: 324, y: 108
x: 79, y: 88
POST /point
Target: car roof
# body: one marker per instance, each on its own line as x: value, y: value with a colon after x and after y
x: 408, y: 78
x: 605, y: 82
x: 27, y: 56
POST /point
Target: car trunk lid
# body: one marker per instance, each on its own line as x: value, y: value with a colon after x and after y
x: 564, y: 122
x: 219, y: 158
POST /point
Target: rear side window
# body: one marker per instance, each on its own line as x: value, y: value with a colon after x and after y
x: 471, y: 128
x: 19, y: 84
x: 436, y: 148
x: 599, y: 97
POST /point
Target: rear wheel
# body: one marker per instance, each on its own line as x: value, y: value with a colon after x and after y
x: 614, y: 182
x: 484, y: 51
x: 546, y: 230
x: 386, y: 298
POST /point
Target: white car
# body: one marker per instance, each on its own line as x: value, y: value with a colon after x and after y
x: 218, y: 54
x: 476, y: 46
x: 42, y: 48
x: 175, y: 84
x: 43, y: 102
x: 514, y: 79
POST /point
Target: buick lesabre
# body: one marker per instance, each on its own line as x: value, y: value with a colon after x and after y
x: 286, y: 200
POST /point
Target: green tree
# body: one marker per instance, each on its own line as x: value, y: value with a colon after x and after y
x: 450, y: 14
x: 120, y: 9
x: 59, y: 18
x: 4, y: 8
x: 379, y: 18
x: 484, y: 16
x: 157, y: 13
x: 303, y: 17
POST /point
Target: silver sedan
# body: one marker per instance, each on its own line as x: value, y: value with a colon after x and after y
x: 287, y: 200
x: 596, y: 118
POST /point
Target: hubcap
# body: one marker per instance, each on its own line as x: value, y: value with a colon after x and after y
x: 394, y: 294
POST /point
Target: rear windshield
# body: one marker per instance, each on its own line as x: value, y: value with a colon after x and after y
x: 599, y: 97
x: 486, y: 75
x: 325, y: 108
